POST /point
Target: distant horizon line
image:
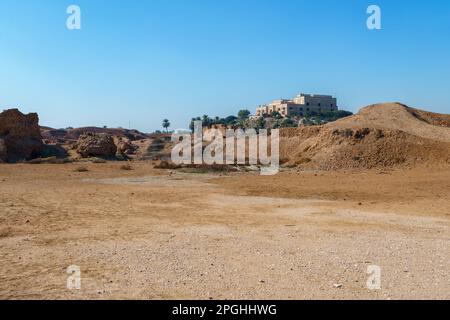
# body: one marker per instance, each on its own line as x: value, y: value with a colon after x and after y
x: 155, y: 130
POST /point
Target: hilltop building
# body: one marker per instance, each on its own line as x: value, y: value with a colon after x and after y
x: 300, y: 106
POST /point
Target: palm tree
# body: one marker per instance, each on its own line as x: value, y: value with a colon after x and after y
x: 206, y: 120
x: 166, y: 125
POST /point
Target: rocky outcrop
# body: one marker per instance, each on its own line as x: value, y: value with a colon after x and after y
x: 20, y: 136
x: 73, y: 134
x: 3, y: 151
x: 125, y: 147
x: 96, y: 145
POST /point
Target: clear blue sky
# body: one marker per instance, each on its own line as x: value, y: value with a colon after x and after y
x: 142, y: 61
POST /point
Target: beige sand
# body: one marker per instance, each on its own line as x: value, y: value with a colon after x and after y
x: 149, y: 234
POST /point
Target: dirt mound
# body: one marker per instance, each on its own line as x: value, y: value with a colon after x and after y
x: 125, y: 147
x: 96, y: 145
x: 131, y: 135
x: 396, y: 116
x: 20, y: 137
x: 194, y: 168
x: 436, y: 119
x: 73, y: 134
x: 379, y: 136
x: 130, y: 143
x: 157, y: 147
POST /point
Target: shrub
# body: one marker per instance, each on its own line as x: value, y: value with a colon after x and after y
x: 98, y: 160
x: 126, y: 167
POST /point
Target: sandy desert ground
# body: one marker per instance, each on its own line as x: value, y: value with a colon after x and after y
x: 157, y: 234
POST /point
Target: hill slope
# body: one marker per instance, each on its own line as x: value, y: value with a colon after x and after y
x: 380, y: 135
x: 66, y: 135
x: 397, y: 116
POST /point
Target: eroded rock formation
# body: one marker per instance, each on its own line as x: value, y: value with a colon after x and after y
x: 96, y: 145
x: 20, y: 137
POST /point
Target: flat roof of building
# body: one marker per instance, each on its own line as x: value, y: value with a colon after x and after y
x: 314, y: 95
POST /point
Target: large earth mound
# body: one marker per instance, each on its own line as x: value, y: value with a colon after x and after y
x: 380, y: 135
x: 73, y: 134
x: 130, y: 143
